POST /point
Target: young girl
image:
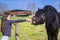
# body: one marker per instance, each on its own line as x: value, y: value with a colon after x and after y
x: 6, y: 25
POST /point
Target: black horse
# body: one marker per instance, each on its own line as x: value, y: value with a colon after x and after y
x: 50, y: 16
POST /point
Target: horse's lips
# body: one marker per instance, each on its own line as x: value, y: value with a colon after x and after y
x: 34, y: 23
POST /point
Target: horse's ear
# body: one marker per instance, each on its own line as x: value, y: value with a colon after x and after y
x: 38, y: 8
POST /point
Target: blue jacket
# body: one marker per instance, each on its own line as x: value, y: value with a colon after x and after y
x: 9, y: 24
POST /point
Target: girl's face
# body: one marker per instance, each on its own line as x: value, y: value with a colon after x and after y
x: 8, y: 18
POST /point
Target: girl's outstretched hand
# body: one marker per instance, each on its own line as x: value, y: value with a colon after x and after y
x: 28, y: 20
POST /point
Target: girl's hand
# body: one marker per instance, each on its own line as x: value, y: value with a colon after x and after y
x: 28, y: 20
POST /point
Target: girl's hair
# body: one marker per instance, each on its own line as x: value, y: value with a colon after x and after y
x: 3, y: 22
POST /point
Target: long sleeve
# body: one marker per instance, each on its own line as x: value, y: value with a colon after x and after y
x: 17, y: 21
x: 7, y: 31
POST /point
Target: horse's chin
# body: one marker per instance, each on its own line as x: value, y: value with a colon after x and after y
x: 41, y: 23
x: 35, y: 24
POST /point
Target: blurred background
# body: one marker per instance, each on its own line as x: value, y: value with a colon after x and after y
x: 26, y: 9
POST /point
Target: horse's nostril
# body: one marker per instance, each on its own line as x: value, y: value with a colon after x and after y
x: 33, y: 20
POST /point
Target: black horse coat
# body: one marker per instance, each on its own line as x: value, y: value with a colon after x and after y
x: 50, y: 16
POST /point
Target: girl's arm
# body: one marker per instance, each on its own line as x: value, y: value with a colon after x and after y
x: 17, y: 21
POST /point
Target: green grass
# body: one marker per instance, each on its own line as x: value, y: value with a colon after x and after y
x: 31, y: 31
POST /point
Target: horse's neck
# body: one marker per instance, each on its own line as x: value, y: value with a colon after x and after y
x: 57, y: 20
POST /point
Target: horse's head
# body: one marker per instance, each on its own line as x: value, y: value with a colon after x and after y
x: 48, y: 13
x: 39, y: 17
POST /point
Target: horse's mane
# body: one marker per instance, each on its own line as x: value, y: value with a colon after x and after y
x: 49, y: 7
x: 51, y: 13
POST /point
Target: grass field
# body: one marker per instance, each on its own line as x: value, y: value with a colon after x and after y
x: 27, y: 31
